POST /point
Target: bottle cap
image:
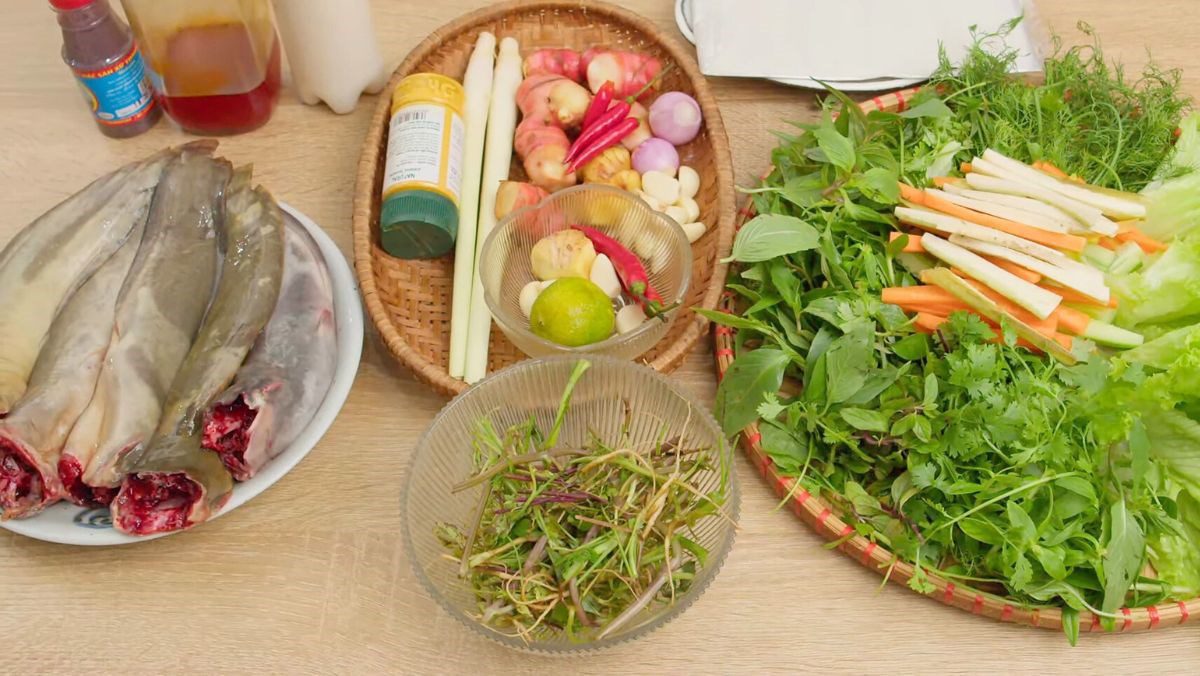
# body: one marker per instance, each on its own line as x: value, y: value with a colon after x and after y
x: 65, y: 5
x: 417, y: 223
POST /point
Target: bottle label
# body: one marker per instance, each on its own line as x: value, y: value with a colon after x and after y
x: 425, y: 146
x: 120, y: 93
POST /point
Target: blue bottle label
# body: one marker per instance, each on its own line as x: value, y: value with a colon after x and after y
x: 120, y: 93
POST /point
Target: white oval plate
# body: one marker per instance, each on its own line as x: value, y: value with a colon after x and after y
x: 683, y: 14
x: 65, y: 523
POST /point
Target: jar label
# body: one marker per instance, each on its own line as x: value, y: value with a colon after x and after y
x: 425, y: 147
x: 120, y: 93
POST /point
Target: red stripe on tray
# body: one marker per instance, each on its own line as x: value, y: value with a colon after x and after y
x: 1128, y: 618
x: 746, y: 212
x: 823, y: 517
x: 1006, y: 613
x: 948, y: 595
x: 1183, y: 612
x: 977, y: 606
x: 722, y: 330
x: 1035, y: 619
x: 802, y: 497
x: 867, y: 551
x: 1152, y: 611
x: 846, y: 530
x: 723, y: 352
x: 902, y: 103
x: 878, y: 102
x: 754, y: 438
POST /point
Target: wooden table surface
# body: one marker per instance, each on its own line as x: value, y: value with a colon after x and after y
x: 312, y: 577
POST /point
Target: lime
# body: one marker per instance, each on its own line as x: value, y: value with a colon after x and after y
x: 572, y: 311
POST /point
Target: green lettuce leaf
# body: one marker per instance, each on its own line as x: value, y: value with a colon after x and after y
x: 1185, y: 157
x: 1166, y: 290
x: 1175, y: 442
x: 1173, y: 208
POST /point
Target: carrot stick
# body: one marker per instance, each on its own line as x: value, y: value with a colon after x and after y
x: 1148, y: 243
x: 940, y: 301
x: 1024, y: 273
x: 966, y: 167
x: 1109, y: 243
x: 1071, y: 320
x: 941, y: 181
x: 1063, y: 339
x: 1057, y: 240
x: 929, y: 323
x: 1048, y: 168
x: 1073, y: 296
x: 913, y: 245
x: 943, y: 309
x: 906, y: 295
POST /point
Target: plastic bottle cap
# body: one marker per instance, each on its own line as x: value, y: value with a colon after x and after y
x: 70, y: 4
x: 418, y: 223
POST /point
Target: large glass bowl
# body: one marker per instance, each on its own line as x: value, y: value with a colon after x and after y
x: 659, y: 242
x: 442, y: 459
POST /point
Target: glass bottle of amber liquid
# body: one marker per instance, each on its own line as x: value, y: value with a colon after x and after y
x: 215, y: 63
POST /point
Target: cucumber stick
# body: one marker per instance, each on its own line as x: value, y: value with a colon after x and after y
x: 1037, y: 300
x: 1091, y: 285
x: 988, y: 308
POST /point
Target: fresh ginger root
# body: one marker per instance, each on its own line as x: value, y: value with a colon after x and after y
x: 543, y: 149
x: 638, y: 112
x: 553, y: 100
x: 628, y: 71
x: 565, y: 62
x: 603, y: 167
x: 513, y: 195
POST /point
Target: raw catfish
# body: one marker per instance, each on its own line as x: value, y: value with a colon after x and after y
x: 159, y: 311
x: 48, y: 260
x: 172, y: 483
x: 62, y: 383
x: 289, y: 371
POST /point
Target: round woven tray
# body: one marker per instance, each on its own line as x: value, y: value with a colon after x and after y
x: 409, y: 300
x: 822, y: 517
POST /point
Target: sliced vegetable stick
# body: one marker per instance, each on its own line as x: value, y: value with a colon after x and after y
x: 1028, y: 204
x: 1051, y: 239
x: 1024, y: 273
x: 965, y: 167
x: 943, y: 181
x: 1046, y: 326
x: 1029, y: 296
x: 1109, y: 243
x: 1088, y: 285
x: 1148, y: 243
x: 1003, y: 182
x: 1123, y: 205
x: 912, y: 246
x: 990, y: 310
x: 1067, y: 342
x: 907, y: 295
x: 1071, y: 296
x: 1072, y: 321
x: 929, y: 322
x: 1050, y: 169
x: 1001, y: 211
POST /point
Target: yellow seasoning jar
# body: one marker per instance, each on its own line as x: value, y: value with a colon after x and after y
x: 422, y: 178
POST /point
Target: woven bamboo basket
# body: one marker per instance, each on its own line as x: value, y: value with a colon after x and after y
x: 409, y: 301
x: 823, y: 517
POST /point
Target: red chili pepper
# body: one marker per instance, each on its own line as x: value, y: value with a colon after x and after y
x: 610, y: 138
x: 599, y: 104
x: 609, y: 119
x: 629, y: 269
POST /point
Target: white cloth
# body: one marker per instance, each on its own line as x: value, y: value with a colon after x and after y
x: 850, y: 40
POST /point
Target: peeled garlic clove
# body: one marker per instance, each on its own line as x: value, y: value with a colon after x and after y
x: 692, y: 208
x: 651, y: 200
x: 529, y: 294
x: 694, y: 231
x: 679, y: 214
x: 689, y: 182
x: 629, y: 318
x: 604, y: 276
x: 661, y: 187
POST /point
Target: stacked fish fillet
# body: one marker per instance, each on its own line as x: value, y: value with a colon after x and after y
x: 168, y: 330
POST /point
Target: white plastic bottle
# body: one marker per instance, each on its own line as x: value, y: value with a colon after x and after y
x: 332, y: 50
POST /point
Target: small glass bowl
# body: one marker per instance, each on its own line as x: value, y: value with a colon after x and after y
x: 608, y: 391
x: 655, y: 238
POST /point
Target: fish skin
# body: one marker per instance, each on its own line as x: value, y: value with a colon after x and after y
x: 64, y: 378
x: 288, y: 373
x: 247, y: 291
x: 56, y: 253
x: 160, y: 308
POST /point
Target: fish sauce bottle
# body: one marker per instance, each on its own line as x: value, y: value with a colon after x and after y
x: 100, y: 50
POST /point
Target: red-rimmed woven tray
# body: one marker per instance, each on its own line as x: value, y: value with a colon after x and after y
x: 821, y: 517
